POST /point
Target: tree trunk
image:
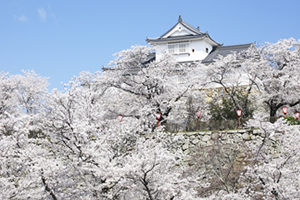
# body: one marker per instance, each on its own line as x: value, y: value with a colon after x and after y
x: 273, y: 110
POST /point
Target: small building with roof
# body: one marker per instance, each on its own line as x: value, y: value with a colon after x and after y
x: 189, y: 44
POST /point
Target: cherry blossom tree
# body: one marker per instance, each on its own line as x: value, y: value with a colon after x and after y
x: 100, y: 158
x: 81, y: 151
x: 271, y: 169
x: 236, y: 75
x: 270, y: 69
x: 275, y: 174
x: 279, y: 74
x: 22, y: 101
x: 147, y: 88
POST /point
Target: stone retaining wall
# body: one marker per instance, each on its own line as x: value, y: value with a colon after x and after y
x: 198, y: 139
x: 205, y: 125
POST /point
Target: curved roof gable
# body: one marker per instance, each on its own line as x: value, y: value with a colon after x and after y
x: 182, y: 31
x: 186, y: 27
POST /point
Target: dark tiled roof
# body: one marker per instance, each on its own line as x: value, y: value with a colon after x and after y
x: 224, y: 51
x: 170, y: 39
x: 150, y: 58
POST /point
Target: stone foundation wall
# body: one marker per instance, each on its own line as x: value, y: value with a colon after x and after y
x: 205, y: 125
x: 198, y: 139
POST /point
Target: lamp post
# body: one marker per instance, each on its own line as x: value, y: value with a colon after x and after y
x: 297, y: 114
x: 120, y: 117
x: 284, y: 110
x: 239, y: 113
x: 158, y: 116
x: 198, y: 113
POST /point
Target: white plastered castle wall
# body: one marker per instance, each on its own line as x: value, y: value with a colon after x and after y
x: 196, y: 51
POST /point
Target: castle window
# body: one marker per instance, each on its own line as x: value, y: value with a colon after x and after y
x: 206, y: 50
x: 178, y: 48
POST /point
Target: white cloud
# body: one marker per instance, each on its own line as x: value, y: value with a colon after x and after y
x: 22, y: 18
x: 42, y: 14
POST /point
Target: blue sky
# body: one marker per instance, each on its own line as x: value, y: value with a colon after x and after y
x: 61, y: 38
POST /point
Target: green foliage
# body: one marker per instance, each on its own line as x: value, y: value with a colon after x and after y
x: 226, y: 110
x: 292, y: 121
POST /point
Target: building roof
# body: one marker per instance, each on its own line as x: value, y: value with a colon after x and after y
x: 177, y: 38
x: 150, y: 57
x: 224, y: 51
x: 195, y: 34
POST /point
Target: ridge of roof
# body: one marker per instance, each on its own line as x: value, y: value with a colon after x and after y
x: 235, y: 46
x: 186, y: 25
x: 190, y: 27
x: 184, y: 37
